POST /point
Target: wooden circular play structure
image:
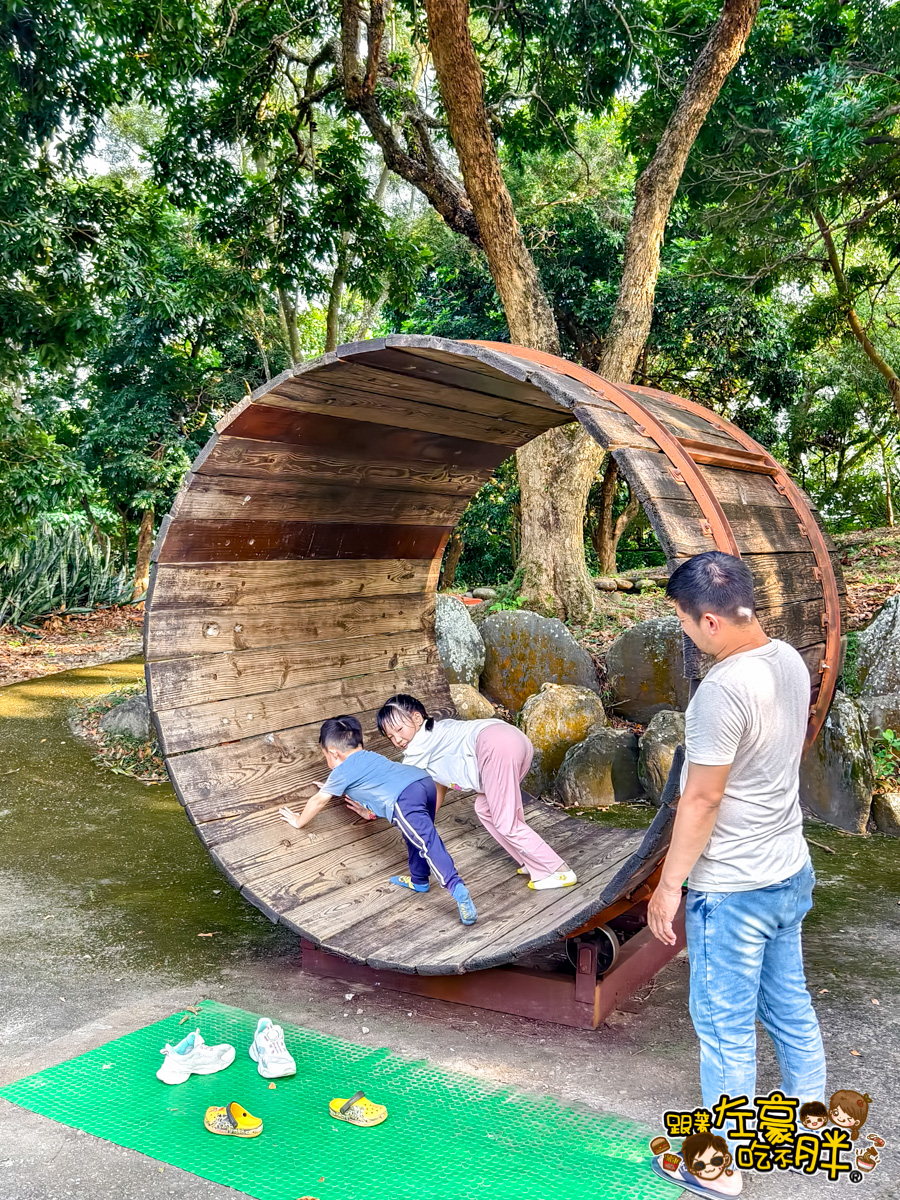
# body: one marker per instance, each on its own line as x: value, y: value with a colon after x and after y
x: 294, y: 581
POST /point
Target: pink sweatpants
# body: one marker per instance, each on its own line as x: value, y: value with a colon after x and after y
x: 503, y: 754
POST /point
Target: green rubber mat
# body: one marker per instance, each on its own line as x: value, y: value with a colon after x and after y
x: 447, y: 1136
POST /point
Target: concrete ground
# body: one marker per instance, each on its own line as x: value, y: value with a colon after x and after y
x: 105, y: 889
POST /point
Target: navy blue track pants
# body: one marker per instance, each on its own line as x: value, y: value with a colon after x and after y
x: 414, y: 817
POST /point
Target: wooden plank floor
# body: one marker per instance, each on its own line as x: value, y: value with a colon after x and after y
x: 330, y: 883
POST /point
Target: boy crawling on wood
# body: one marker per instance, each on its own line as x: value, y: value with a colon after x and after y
x: 379, y: 787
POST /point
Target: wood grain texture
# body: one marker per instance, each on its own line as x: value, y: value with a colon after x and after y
x: 648, y: 474
x: 178, y: 682
x: 227, y: 498
x: 176, y: 633
x: 246, y: 584
x: 275, y: 768
x: 231, y: 541
x: 212, y: 722
x: 305, y: 393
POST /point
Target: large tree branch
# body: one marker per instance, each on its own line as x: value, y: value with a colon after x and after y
x: 843, y: 288
x: 655, y: 189
x: 418, y: 163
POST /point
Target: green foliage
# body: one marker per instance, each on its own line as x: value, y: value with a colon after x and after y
x: 489, y: 529
x: 59, y: 568
x: 39, y: 474
x: 886, y: 753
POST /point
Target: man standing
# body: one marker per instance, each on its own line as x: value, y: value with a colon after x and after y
x: 738, y: 839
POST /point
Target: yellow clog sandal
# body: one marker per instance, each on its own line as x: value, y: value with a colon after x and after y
x: 358, y: 1110
x: 233, y: 1121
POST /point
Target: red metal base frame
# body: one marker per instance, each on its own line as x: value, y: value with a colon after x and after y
x: 582, y: 1001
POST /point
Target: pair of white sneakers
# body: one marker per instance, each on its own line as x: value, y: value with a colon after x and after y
x: 192, y: 1056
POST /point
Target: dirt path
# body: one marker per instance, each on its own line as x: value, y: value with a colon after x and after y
x: 64, y: 642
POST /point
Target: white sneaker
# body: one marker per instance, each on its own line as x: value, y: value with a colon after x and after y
x: 192, y: 1056
x: 269, y: 1052
x: 560, y: 879
x: 523, y: 871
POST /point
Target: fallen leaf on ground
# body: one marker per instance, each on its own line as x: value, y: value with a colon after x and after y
x: 856, y: 1054
x: 214, y: 934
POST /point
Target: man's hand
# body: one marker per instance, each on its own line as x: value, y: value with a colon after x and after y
x: 290, y: 816
x: 359, y: 809
x: 661, y: 913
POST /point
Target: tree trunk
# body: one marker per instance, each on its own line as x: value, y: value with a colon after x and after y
x: 451, y: 560
x: 288, y: 311
x: 888, y: 489
x: 142, y: 558
x: 333, y: 316
x: 609, y: 531
x: 890, y: 375
x: 525, y: 303
x: 555, y: 470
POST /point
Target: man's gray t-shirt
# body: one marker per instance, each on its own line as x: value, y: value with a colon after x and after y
x: 752, y: 710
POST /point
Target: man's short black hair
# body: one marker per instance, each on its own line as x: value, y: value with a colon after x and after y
x: 341, y: 733
x: 713, y: 582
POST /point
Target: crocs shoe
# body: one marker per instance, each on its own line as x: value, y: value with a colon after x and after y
x: 559, y: 879
x: 269, y: 1052
x: 192, y: 1056
x: 358, y: 1110
x: 466, y: 905
x: 232, y: 1120
x: 405, y: 881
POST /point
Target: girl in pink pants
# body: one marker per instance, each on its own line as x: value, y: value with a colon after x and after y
x: 488, y: 757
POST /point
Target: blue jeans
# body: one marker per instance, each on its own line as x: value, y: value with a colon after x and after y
x: 747, y: 962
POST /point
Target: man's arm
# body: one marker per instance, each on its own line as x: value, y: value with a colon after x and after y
x: 694, y: 821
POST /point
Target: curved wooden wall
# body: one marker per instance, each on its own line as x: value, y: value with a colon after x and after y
x: 294, y: 580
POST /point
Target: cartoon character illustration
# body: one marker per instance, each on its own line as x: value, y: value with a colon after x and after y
x: 849, y: 1110
x: 706, y: 1156
x: 814, y: 1115
x: 867, y: 1160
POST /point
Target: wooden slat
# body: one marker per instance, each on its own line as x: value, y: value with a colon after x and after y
x: 306, y: 393
x: 175, y: 633
x: 452, y: 372
x: 649, y: 474
x: 231, y: 541
x: 361, y: 373
x: 799, y: 623
x: 225, y: 497
x: 780, y: 579
x: 276, y: 768
x: 758, y: 529
x: 197, y: 726
x: 683, y: 424
x: 610, y: 429
x: 706, y: 454
x: 245, y: 584
x: 360, y: 441
x: 248, y: 458
x: 176, y: 683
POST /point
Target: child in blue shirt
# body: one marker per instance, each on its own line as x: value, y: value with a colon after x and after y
x: 405, y: 796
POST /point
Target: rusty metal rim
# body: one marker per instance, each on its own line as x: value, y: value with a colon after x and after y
x: 651, y: 427
x: 809, y: 527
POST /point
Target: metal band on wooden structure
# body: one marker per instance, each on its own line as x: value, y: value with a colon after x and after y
x: 294, y: 581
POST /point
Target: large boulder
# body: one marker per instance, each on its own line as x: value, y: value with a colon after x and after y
x: 878, y: 658
x: 657, y: 749
x: 645, y: 665
x: 882, y: 712
x: 886, y: 811
x: 600, y: 771
x: 556, y: 718
x: 131, y: 719
x: 524, y: 651
x: 469, y: 702
x: 459, y: 643
x: 838, y: 775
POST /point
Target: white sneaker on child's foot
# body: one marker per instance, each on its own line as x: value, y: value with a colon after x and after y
x: 559, y: 879
x: 269, y: 1052
x: 192, y: 1056
x: 523, y: 871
